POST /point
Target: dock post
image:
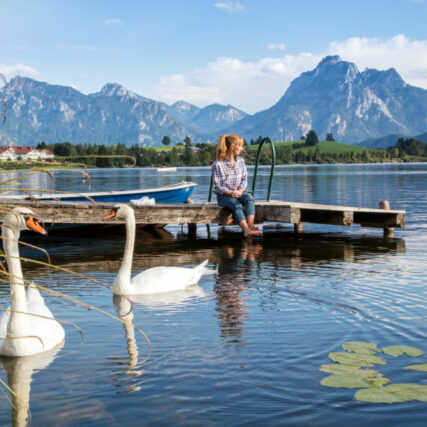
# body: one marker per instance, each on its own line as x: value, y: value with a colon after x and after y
x: 192, y: 230
x: 298, y: 227
x: 388, y: 231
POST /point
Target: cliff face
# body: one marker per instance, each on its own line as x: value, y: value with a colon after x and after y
x: 334, y: 98
x: 337, y: 98
x: 39, y: 112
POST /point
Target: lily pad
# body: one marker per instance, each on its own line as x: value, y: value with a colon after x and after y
x: 360, y: 347
x: 345, y: 381
x: 422, y: 367
x: 394, y: 393
x: 338, y: 368
x: 377, y: 381
x: 412, y: 391
x: 380, y: 395
x: 402, y: 387
x: 399, y: 350
x: 356, y: 359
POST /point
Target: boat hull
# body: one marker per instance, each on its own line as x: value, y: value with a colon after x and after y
x: 179, y: 193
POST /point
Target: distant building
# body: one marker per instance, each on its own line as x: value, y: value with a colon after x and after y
x: 25, y: 153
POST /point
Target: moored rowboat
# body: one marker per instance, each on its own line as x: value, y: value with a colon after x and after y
x: 176, y: 193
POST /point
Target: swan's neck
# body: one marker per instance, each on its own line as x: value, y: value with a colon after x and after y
x: 123, y: 277
x: 18, y: 300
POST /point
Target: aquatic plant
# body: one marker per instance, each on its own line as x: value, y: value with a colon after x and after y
x: 399, y: 350
x: 348, y: 373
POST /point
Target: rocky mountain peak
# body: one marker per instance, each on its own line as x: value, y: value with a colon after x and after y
x: 19, y: 83
x: 183, y: 106
x: 334, y: 68
x: 329, y: 60
x: 387, y: 77
x: 115, y: 89
x: 335, y: 97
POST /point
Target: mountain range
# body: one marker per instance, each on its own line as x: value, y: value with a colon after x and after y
x: 390, y: 140
x: 335, y: 97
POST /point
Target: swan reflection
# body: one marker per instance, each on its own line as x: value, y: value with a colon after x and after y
x: 123, y: 305
x: 168, y: 300
x: 124, y: 311
x: 19, y: 371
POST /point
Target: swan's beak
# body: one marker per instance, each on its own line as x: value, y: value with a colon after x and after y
x: 112, y: 214
x: 33, y: 223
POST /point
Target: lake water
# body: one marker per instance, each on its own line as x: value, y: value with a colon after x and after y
x: 245, y: 345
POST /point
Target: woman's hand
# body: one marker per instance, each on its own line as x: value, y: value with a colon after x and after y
x: 237, y: 193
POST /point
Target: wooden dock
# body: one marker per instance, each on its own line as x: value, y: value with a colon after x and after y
x: 210, y: 213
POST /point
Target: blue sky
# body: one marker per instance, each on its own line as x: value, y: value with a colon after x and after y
x: 244, y: 53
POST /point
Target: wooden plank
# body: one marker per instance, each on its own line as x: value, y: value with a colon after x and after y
x: 388, y: 219
x: 211, y: 213
x: 266, y: 211
x: 327, y: 217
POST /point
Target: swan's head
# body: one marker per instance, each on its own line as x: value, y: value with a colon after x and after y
x: 23, y: 219
x: 120, y: 211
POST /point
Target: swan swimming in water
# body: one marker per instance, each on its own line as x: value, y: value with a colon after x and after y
x: 154, y: 280
x: 28, y: 334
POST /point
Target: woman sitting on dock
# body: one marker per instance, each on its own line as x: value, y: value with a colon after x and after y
x: 230, y: 178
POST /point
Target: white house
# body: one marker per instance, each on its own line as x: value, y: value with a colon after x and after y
x: 7, y: 153
x: 25, y: 153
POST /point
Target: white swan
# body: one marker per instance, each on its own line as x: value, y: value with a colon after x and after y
x: 154, y: 280
x: 40, y: 334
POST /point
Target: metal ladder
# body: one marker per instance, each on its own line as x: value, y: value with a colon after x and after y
x: 273, y: 164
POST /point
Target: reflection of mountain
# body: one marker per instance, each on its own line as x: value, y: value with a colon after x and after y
x: 19, y: 372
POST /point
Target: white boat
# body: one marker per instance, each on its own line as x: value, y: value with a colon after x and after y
x: 166, y: 169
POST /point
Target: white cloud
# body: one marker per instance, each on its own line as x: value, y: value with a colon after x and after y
x: 250, y: 86
x: 275, y: 46
x: 22, y: 70
x: 257, y: 85
x: 408, y: 57
x: 230, y: 6
x: 113, y: 21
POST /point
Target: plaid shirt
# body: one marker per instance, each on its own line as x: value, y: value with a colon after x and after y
x: 228, y: 177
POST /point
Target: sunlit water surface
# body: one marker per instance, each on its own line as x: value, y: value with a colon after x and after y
x: 245, y: 345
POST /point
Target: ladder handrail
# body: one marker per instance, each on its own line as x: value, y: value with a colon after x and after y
x: 273, y: 164
x: 258, y: 155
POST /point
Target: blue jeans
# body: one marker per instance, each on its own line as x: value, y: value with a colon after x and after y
x: 238, y: 206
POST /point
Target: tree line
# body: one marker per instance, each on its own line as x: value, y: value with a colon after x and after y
x: 188, y: 154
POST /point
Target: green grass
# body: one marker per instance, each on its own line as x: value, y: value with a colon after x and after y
x: 324, y: 147
x: 167, y: 148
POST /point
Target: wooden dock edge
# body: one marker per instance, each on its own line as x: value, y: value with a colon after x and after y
x: 210, y: 213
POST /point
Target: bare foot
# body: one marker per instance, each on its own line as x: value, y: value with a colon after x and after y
x: 229, y: 221
x: 252, y: 233
x: 254, y: 227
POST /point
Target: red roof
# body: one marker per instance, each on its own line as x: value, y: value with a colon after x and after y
x: 23, y: 149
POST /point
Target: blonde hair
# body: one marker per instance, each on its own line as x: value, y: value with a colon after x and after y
x: 225, y: 142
